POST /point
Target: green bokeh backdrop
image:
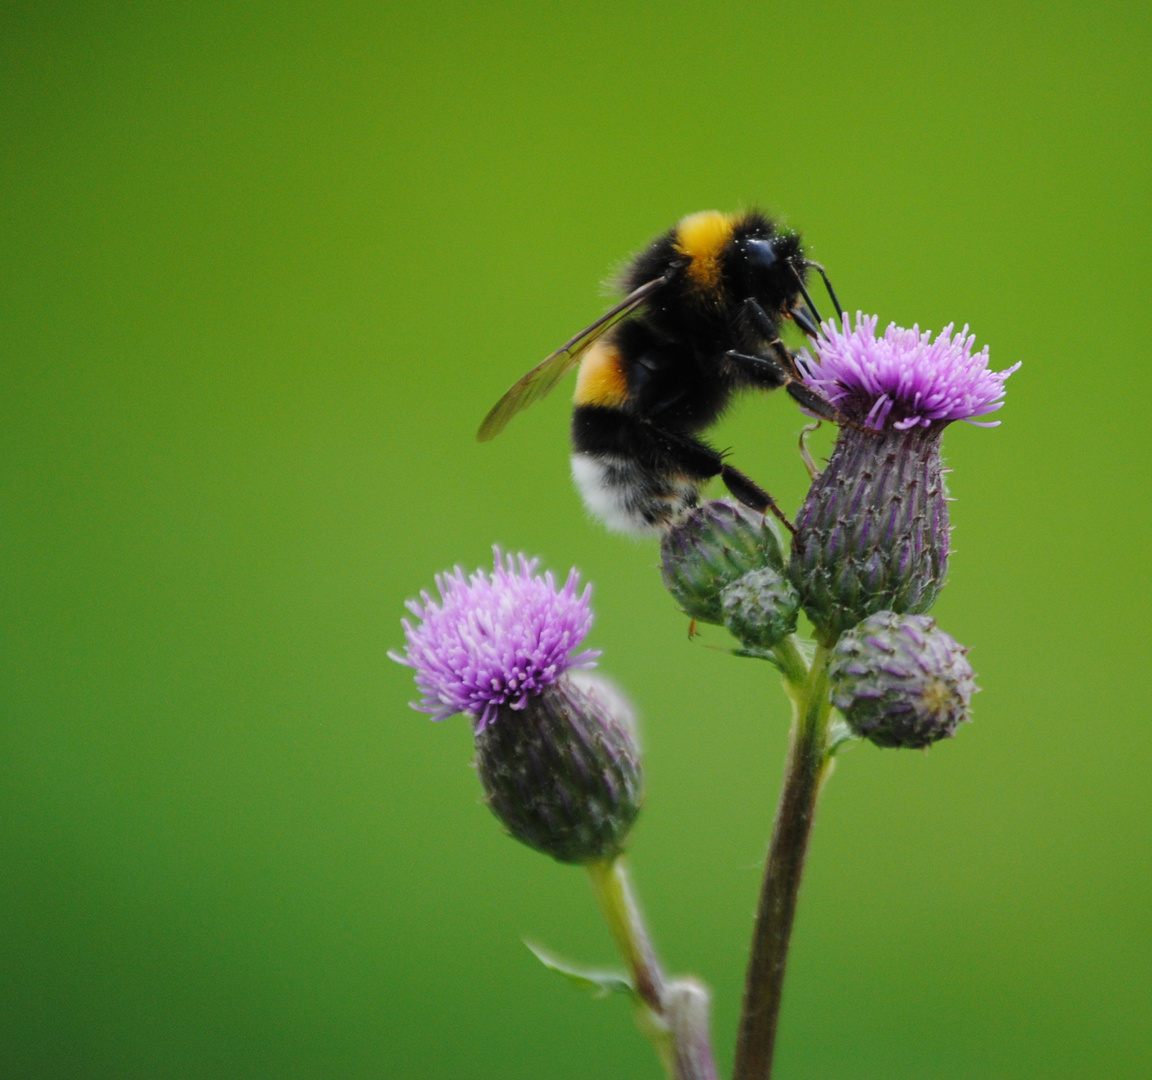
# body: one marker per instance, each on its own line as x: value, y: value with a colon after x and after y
x: 264, y: 267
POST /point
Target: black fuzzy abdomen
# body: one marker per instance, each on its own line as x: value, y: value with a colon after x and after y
x: 627, y: 478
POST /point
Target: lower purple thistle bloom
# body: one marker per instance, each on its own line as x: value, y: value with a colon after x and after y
x: 903, y: 379
x: 495, y: 639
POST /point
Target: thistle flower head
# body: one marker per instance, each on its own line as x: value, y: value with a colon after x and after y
x: 904, y: 379
x: 495, y: 640
x: 873, y: 532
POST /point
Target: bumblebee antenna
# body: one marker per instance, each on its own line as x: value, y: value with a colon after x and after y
x: 804, y: 292
x: 828, y: 285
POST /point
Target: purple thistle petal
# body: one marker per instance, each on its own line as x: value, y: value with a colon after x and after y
x: 903, y: 378
x: 495, y: 639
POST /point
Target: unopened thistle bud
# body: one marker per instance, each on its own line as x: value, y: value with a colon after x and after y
x: 872, y: 534
x: 555, y: 747
x: 717, y: 545
x: 901, y: 682
x: 760, y: 608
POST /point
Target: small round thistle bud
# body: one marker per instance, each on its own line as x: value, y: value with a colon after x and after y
x: 901, y: 682
x: 717, y: 544
x: 760, y: 608
x: 872, y: 534
x: 563, y: 774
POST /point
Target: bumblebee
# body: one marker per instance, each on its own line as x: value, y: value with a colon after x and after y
x: 700, y: 321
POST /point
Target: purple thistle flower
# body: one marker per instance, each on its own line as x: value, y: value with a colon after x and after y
x: 872, y: 534
x: 495, y: 640
x: 904, y: 377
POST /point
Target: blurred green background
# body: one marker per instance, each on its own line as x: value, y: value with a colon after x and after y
x: 264, y: 268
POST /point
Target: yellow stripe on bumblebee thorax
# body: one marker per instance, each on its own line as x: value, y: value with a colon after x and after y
x: 602, y: 379
x: 701, y: 238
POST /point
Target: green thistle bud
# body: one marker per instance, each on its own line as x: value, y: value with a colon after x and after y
x: 760, y: 608
x: 901, y: 682
x: 718, y: 544
x: 563, y: 772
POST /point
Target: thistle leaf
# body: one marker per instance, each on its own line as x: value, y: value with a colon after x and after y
x: 600, y: 984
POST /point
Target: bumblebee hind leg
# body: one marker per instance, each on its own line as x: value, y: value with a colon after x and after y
x: 752, y: 495
x: 694, y: 453
x: 638, y: 477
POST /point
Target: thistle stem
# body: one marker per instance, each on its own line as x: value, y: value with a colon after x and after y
x: 673, y: 1015
x: 807, y: 766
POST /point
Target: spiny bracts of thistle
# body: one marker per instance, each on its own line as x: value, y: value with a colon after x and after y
x: 900, y: 681
x: 872, y: 534
x: 715, y: 546
x: 555, y: 745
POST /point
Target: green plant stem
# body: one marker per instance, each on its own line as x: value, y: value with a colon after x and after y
x: 807, y: 766
x: 673, y: 1015
x: 792, y: 666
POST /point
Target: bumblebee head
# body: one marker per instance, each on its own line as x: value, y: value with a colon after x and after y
x: 729, y: 257
x: 767, y: 264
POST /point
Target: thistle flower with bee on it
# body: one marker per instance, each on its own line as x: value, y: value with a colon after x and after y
x: 873, y: 533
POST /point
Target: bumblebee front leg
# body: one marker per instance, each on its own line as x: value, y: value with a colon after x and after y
x: 767, y: 372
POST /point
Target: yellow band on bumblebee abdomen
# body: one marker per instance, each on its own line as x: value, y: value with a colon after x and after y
x: 602, y: 380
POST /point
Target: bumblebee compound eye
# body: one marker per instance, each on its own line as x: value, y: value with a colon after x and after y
x: 760, y: 253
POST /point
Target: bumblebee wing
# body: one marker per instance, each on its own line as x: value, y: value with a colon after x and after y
x: 546, y: 374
